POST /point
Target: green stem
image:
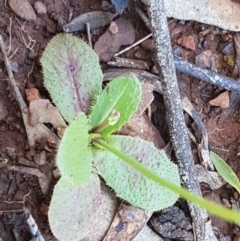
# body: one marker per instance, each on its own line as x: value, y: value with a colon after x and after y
x: 212, y: 207
x: 100, y: 127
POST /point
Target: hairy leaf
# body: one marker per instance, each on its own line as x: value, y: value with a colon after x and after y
x: 72, y: 208
x: 74, y: 156
x: 225, y: 171
x: 131, y: 185
x: 216, y: 209
x: 119, y: 99
x: 72, y: 74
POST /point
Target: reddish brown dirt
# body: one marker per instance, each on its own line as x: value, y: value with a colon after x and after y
x: 223, y: 135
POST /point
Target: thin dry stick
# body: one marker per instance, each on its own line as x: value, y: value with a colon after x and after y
x: 5, y: 4
x: 24, y: 199
x: 13, y: 53
x: 35, y: 231
x: 11, y: 211
x: 174, y: 113
x: 70, y: 14
x: 133, y: 45
x: 203, y: 146
x: 10, y: 37
x: 188, y: 68
x: 32, y: 42
x: 144, y: 17
x: 129, y: 63
x: 89, y: 34
x: 28, y: 75
x: 19, y: 98
x: 33, y: 132
x: 26, y: 170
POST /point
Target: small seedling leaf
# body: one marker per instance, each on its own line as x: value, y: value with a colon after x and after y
x: 72, y: 74
x: 131, y: 185
x: 119, y: 101
x: 74, y: 157
x: 225, y: 171
x: 72, y: 208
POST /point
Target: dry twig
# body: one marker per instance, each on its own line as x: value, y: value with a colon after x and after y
x: 174, y: 114
x: 34, y: 133
x: 89, y: 34
x: 203, y: 146
x: 30, y: 45
x: 26, y: 170
x: 11, y: 211
x: 206, y: 75
x: 190, y: 69
x: 35, y: 231
x: 133, y: 45
x: 10, y: 37
x: 129, y: 63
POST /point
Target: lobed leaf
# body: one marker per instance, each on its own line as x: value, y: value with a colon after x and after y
x: 72, y: 74
x: 72, y: 208
x: 225, y: 171
x: 74, y: 156
x: 130, y: 185
x: 122, y: 95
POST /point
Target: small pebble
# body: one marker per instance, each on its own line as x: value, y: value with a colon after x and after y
x: 60, y: 131
x: 36, y: 27
x: 177, y: 51
x: 235, y: 195
x: 14, y: 66
x: 226, y: 203
x: 51, y: 142
x: 9, y: 151
x: 19, y: 195
x: 205, y: 44
x: 40, y: 158
x: 148, y: 44
x: 32, y: 55
x: 40, y: 8
x: 44, y: 208
x: 113, y: 28
x: 22, y: 130
x: 32, y: 94
x: 18, y: 126
x: 139, y: 54
x: 56, y: 174
x: 228, y: 49
x: 23, y: 9
x: 154, y: 69
x: 187, y: 42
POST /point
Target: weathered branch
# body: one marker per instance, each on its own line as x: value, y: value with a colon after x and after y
x: 206, y: 75
x: 34, y: 133
x: 174, y: 112
x: 190, y: 69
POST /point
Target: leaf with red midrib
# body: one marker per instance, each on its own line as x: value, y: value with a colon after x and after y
x: 72, y: 74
